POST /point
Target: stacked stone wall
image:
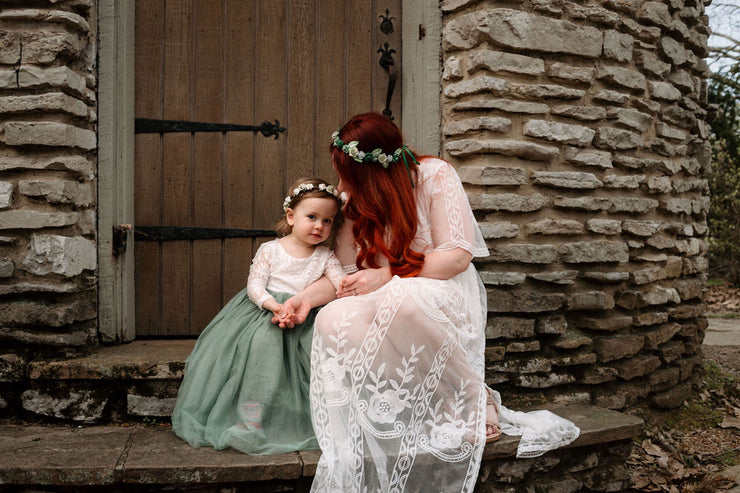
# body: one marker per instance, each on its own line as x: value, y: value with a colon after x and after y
x: 48, y: 296
x: 580, y: 130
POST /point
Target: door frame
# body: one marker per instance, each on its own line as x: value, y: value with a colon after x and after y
x: 421, y: 125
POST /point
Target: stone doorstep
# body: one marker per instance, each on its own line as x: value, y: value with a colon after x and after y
x: 139, y: 454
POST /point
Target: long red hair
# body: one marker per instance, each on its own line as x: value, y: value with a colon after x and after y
x: 381, y: 204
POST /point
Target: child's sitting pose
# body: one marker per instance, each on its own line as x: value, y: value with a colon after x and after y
x: 246, y: 382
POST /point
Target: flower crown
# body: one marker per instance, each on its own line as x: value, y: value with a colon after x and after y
x: 305, y: 187
x: 375, y: 156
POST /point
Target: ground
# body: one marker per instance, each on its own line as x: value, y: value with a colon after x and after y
x: 693, y: 449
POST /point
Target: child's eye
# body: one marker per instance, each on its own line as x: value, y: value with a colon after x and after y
x: 311, y: 216
x: 328, y: 221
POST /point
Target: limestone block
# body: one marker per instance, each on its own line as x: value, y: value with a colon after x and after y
x: 609, y: 96
x: 491, y: 123
x: 532, y: 365
x: 47, y: 314
x: 12, y: 368
x: 492, y: 175
x: 590, y: 300
x: 562, y: 277
x: 694, y: 265
x: 500, y: 301
x: 691, y: 165
x: 7, y: 267
x: 502, y: 278
x: 555, y: 227
x: 559, y: 132
x: 593, y: 251
x: 523, y: 346
x: 659, y: 184
x: 650, y: 318
x: 649, y: 62
x: 515, y: 148
x: 51, y: 16
x: 22, y: 219
x: 635, y: 244
x: 657, y: 295
x: 646, y: 34
x: 690, y: 288
x: 522, y: 252
x: 78, y: 405
x: 636, y: 120
x: 685, y: 311
x: 452, y: 69
x: 598, y: 375
x: 661, y: 242
x: 481, y: 83
x: 617, y: 139
x: 40, y: 46
x: 622, y: 77
x: 509, y: 327
x: 665, y: 148
x: 669, y: 132
x: 633, y: 205
x: 673, y: 50
x: 642, y: 228
x: 673, y: 397
x: 588, y: 157
x: 591, y: 13
x: 521, y: 30
x: 451, y: 5
x: 6, y: 194
x: 544, y: 381
x: 49, y: 103
x: 648, y: 274
x: 78, y: 164
x: 496, y: 230
x: 674, y: 266
x: 664, y: 333
x: 583, y: 75
x: 618, y: 46
x: 49, y: 134
x: 656, y: 13
x: 599, y: 276
x: 497, y: 61
x: 508, y: 202
x: 636, y: 163
x: 630, y: 182
x: 671, y: 351
x: 64, y: 255
x: 664, y: 377
x: 552, y: 324
x: 583, y: 203
x: 648, y: 256
x: 508, y: 105
x: 566, y: 179
x: 138, y: 405
x: 664, y: 91
x: 543, y: 91
x: 611, y: 323
x: 648, y: 105
x: 58, y: 191
x: 683, y: 80
x: 604, y: 226
x: 74, y: 339
x: 552, y: 6
x: 585, y: 113
x: 32, y: 77
x: 32, y: 287
x: 637, y: 366
x: 613, y: 348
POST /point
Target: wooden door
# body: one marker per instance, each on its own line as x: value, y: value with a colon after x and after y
x: 309, y: 64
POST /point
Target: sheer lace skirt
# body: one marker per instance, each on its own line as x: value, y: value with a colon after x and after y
x: 397, y: 394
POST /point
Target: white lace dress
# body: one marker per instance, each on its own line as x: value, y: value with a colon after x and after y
x: 397, y: 392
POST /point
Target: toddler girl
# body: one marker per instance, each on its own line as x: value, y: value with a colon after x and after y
x: 246, y: 382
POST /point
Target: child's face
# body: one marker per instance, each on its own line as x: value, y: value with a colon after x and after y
x: 312, y: 219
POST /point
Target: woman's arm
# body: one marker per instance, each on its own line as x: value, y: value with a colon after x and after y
x: 445, y: 264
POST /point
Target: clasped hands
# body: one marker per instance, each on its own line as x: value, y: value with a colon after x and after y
x: 295, y: 309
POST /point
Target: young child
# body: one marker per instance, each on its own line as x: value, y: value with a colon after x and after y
x: 246, y: 382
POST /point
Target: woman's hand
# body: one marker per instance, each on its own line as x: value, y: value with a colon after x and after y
x: 364, y: 281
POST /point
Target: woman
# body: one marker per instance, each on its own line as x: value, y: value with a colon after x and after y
x: 397, y: 393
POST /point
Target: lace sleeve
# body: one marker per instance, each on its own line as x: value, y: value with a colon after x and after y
x: 452, y: 222
x: 259, y: 274
x: 334, y: 270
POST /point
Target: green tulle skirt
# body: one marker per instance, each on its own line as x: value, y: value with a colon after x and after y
x: 246, y: 383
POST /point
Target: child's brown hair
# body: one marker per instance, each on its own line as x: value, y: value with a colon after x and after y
x: 304, y: 188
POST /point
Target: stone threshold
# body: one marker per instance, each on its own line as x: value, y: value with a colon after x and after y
x: 129, y: 455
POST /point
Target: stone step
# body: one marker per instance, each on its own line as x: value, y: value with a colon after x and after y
x: 151, y: 458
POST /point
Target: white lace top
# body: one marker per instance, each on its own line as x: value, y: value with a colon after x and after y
x: 274, y: 269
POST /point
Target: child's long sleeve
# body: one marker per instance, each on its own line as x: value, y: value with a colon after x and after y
x: 334, y: 270
x: 259, y: 274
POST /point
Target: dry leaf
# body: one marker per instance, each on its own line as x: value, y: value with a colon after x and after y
x: 730, y: 422
x: 652, y: 449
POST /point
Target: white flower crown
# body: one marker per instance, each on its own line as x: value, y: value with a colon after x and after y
x: 376, y: 155
x: 305, y: 187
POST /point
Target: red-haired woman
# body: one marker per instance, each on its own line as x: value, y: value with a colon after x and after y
x: 397, y: 393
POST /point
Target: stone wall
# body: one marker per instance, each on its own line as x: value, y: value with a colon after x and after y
x: 580, y: 131
x: 48, y: 298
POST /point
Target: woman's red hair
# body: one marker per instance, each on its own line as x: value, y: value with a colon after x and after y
x: 382, y: 204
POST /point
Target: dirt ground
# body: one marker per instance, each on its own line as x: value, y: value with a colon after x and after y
x: 686, y: 450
